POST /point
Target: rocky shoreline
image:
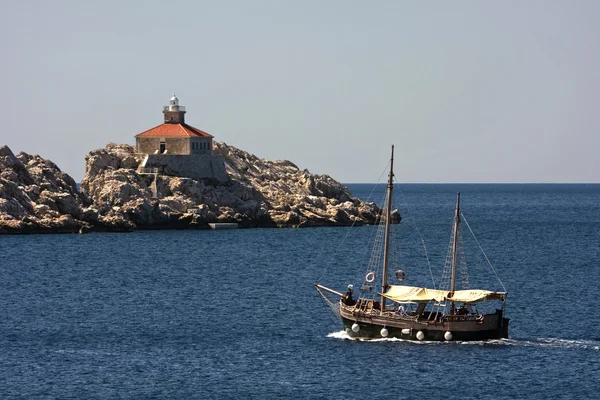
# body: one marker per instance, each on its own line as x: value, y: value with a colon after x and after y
x: 37, y: 197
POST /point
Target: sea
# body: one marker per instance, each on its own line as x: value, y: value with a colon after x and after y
x: 233, y: 314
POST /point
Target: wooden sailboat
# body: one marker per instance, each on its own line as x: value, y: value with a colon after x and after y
x: 418, y: 313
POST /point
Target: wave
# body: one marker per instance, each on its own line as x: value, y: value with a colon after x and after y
x: 86, y: 352
x: 558, y: 343
x: 561, y: 343
x: 343, y: 335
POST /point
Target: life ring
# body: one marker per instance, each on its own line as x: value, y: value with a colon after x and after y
x: 400, y: 275
x: 370, y: 277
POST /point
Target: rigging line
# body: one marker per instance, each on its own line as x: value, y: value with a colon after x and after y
x: 376, y: 238
x: 419, y: 233
x: 325, y: 243
x: 331, y: 305
x: 483, y: 252
x: 375, y: 242
x: 378, y: 180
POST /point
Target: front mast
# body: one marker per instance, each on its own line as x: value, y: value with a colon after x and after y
x: 454, y: 246
x: 386, y: 246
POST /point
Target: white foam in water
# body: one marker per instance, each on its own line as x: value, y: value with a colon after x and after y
x: 344, y: 336
x: 340, y: 335
x: 386, y: 340
x: 569, y: 344
x: 540, y: 342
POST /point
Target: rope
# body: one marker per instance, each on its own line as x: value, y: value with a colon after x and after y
x: 462, y: 262
x: 331, y: 305
x: 325, y: 243
x: 375, y: 241
x: 446, y: 273
x: 378, y: 242
x: 483, y: 252
x: 405, y: 204
x: 378, y: 181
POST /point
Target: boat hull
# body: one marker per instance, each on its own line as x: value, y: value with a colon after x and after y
x: 492, y: 326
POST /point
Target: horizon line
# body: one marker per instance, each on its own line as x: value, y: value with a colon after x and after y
x: 474, y: 183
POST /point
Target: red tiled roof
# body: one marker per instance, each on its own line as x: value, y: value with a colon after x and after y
x: 173, y: 130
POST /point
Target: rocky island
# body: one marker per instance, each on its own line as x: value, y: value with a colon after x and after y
x: 176, y: 177
x: 117, y: 195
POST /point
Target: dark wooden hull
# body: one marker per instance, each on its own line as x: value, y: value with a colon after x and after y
x: 492, y: 326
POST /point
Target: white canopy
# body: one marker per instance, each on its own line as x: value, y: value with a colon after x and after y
x: 405, y: 294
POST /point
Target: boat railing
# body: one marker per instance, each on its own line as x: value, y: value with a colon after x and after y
x: 464, y: 317
x: 371, y: 307
x: 402, y: 316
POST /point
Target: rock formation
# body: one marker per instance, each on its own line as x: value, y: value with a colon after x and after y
x: 35, y: 196
x: 259, y: 193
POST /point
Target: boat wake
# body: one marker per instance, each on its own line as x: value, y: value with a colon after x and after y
x: 578, y: 344
x: 584, y: 344
x: 340, y: 335
x: 343, y: 335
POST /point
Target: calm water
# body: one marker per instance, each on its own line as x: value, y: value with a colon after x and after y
x: 233, y: 314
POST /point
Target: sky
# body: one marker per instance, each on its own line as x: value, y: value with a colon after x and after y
x: 467, y: 91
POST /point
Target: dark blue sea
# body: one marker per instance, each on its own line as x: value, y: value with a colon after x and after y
x: 234, y: 314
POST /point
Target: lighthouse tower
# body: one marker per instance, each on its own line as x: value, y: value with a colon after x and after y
x: 174, y: 113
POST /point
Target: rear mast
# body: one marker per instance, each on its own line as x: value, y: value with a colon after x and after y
x: 386, y: 247
x: 454, y: 247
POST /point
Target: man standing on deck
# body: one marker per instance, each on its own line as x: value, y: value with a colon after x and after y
x: 348, y: 300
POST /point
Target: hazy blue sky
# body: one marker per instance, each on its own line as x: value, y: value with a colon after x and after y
x: 468, y: 91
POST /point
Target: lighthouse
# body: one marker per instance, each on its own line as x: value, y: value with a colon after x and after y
x: 174, y: 136
x: 178, y: 149
x: 174, y: 113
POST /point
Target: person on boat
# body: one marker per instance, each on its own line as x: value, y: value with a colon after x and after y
x: 401, y: 310
x: 347, y: 298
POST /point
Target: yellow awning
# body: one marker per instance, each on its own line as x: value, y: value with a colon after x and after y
x: 476, y: 295
x: 404, y: 294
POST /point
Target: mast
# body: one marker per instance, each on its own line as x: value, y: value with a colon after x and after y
x: 454, y: 245
x: 386, y: 246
